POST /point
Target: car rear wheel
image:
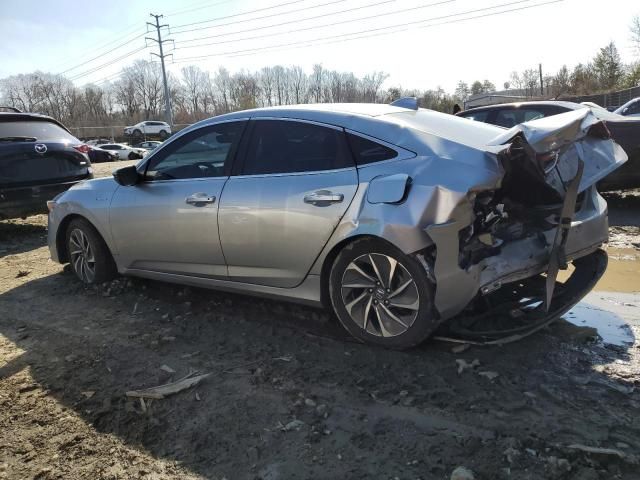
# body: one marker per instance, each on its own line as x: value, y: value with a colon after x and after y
x: 133, y: 156
x: 163, y: 134
x: 89, y: 256
x: 382, y: 296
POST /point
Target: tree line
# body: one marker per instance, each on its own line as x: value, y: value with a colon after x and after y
x: 137, y: 94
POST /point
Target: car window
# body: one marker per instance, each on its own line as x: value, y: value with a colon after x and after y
x: 280, y: 146
x: 480, y: 116
x: 198, y: 154
x: 109, y: 147
x: 367, y: 151
x: 511, y: 117
x: 632, y: 109
x: 41, y: 130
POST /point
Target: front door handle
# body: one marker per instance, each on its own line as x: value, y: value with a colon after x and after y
x: 200, y: 199
x: 323, y: 197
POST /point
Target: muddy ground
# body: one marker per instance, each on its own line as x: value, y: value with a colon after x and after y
x: 289, y: 395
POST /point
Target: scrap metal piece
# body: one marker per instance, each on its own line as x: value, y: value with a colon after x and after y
x: 557, y: 255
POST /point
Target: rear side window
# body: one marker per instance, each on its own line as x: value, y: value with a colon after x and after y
x: 280, y: 146
x: 42, y: 131
x: 366, y: 151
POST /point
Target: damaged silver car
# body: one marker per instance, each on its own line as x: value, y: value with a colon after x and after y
x: 400, y: 219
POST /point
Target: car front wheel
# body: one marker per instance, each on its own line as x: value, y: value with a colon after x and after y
x: 163, y: 134
x: 382, y: 296
x: 89, y: 256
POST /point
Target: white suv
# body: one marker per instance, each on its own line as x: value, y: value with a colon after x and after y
x: 162, y: 129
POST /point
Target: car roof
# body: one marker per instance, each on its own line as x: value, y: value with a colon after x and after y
x: 27, y: 116
x: 546, y: 103
x: 386, y: 122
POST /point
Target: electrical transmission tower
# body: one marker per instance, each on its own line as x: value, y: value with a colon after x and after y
x: 161, y: 56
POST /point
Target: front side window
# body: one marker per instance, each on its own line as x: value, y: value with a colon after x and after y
x: 633, y: 109
x: 198, y: 154
x: 280, y: 146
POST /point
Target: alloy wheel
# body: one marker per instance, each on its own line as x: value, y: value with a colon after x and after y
x: 380, y: 295
x: 82, y: 256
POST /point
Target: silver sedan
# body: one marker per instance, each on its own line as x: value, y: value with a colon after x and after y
x: 395, y: 217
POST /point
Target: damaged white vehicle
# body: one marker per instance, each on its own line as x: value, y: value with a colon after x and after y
x: 401, y: 220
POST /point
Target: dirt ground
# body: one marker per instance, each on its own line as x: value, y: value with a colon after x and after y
x: 289, y: 395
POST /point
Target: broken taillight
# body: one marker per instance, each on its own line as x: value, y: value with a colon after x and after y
x: 599, y: 130
x: 82, y: 148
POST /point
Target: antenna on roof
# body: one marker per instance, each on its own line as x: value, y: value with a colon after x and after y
x: 406, y: 102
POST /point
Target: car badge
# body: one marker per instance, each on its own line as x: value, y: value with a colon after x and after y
x: 41, y: 147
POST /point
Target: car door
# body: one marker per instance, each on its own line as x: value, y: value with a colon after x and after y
x: 169, y: 221
x: 296, y: 181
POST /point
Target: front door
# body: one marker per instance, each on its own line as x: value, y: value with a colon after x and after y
x: 168, y: 222
x: 297, y: 180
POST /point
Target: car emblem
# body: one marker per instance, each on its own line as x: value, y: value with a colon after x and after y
x: 41, y: 147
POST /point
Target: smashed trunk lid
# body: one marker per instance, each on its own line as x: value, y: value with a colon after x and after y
x: 553, y: 147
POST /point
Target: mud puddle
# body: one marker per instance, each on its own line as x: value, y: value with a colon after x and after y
x: 616, y: 316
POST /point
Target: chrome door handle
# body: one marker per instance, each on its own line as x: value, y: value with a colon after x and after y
x: 200, y: 198
x: 323, y: 197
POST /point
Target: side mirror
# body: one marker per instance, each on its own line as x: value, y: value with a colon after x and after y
x: 126, y: 176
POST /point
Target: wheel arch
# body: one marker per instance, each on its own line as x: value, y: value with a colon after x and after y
x: 331, y: 256
x: 61, y: 235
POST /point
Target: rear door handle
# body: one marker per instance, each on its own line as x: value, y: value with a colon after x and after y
x: 323, y: 197
x: 200, y: 199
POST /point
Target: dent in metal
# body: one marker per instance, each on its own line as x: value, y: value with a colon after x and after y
x: 388, y: 189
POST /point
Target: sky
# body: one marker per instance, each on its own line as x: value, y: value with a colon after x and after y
x: 419, y: 44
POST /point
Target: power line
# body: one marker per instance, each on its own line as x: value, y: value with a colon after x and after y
x: 204, y: 5
x: 245, y: 13
x: 110, y: 62
x: 311, y: 42
x: 314, y: 27
x: 361, y: 7
x: 103, y: 45
x: 405, y: 29
x: 102, y: 54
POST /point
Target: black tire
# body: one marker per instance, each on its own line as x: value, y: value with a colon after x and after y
x: 133, y: 156
x: 421, y: 320
x: 137, y: 133
x: 163, y: 134
x: 103, y: 268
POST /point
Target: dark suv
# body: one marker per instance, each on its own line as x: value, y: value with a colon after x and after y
x: 39, y: 158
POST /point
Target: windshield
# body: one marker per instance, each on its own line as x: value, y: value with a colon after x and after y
x: 41, y: 131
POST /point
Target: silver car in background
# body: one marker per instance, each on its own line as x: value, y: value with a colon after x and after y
x: 397, y: 218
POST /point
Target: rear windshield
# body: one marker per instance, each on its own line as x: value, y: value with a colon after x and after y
x: 41, y: 130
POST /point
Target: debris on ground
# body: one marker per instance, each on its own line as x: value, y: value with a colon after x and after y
x: 464, y: 365
x: 162, y: 391
x: 462, y: 473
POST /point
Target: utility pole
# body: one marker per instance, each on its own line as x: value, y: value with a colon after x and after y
x: 541, y: 84
x: 159, y: 41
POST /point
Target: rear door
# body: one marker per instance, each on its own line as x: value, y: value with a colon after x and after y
x: 295, y: 184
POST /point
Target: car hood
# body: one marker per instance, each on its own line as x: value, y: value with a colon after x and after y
x: 103, y: 185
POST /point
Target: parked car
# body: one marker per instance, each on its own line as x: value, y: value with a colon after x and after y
x: 161, y: 129
x: 97, y: 155
x: 123, y: 152
x: 39, y: 158
x: 97, y: 141
x: 150, y: 145
x: 630, y: 109
x: 625, y: 131
x: 397, y: 218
